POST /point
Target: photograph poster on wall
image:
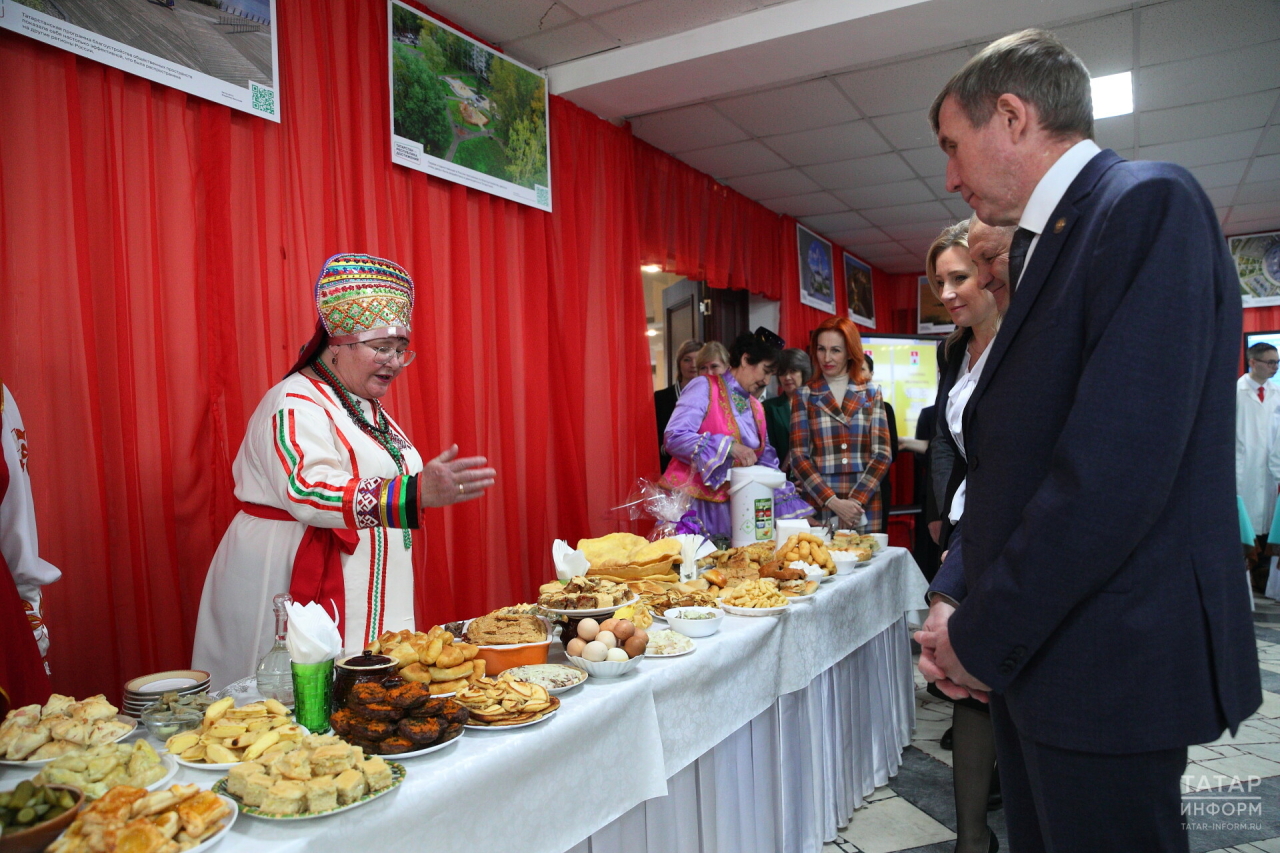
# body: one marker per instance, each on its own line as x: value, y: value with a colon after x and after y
x: 933, y: 317
x: 462, y: 112
x: 817, y: 271
x: 225, y: 52
x: 1257, y: 258
x: 857, y: 285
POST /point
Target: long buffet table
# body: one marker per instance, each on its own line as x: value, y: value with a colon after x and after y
x: 766, y: 738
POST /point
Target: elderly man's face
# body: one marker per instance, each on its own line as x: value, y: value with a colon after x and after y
x: 989, y: 251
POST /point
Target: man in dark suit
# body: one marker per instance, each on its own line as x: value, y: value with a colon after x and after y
x: 1099, y: 538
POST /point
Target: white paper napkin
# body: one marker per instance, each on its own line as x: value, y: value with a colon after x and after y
x: 569, y: 562
x: 693, y: 547
x: 313, y: 636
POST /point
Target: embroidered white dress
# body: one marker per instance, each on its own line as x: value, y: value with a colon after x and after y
x: 302, y: 453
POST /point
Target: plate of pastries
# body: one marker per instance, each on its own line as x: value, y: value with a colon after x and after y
x: 100, y: 768
x: 180, y: 819
x: 228, y: 735
x: 324, y: 775
x: 397, y: 717
x: 37, y: 734
x: 436, y: 658
x: 584, y: 596
x: 622, y: 557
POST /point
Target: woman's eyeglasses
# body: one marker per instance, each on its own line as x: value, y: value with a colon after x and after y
x: 386, y: 355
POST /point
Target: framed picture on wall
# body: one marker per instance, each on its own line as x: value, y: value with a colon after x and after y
x: 932, y: 317
x: 465, y: 113
x: 225, y: 52
x: 1257, y: 258
x: 857, y: 286
x: 817, y: 271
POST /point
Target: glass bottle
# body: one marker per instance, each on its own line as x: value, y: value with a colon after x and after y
x: 275, y: 677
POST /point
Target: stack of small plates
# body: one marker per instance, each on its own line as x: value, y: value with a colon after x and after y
x: 147, y: 689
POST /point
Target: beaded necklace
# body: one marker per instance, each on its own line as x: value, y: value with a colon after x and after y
x: 380, y: 433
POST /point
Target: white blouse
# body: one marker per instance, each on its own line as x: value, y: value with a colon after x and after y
x: 956, y: 402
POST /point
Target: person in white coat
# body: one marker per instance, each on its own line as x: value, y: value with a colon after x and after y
x: 1257, y: 398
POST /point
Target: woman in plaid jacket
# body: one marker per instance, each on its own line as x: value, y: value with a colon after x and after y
x: 839, y: 431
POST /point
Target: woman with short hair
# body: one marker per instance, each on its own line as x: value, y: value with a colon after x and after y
x: 664, y: 401
x: 713, y: 359
x: 794, y: 370
x: 719, y: 425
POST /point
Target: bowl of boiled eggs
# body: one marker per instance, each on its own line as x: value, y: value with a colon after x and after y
x: 607, y: 649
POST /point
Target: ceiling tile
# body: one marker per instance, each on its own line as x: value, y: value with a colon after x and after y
x: 1115, y: 132
x: 920, y: 230
x: 1220, y: 174
x: 1270, y: 142
x: 831, y: 222
x: 653, y: 19
x: 957, y: 206
x: 571, y: 42
x: 928, y: 162
x: 904, y: 214
x: 502, y: 22
x: 908, y: 130
x: 1254, y: 212
x: 874, y: 251
x: 1265, y: 168
x: 816, y: 103
x: 1180, y: 30
x: 734, y: 159
x: 1221, y: 196
x: 887, y: 195
x: 1251, y: 192
x: 1211, y: 118
x: 807, y: 204
x: 899, y: 86
x: 828, y: 144
x: 1237, y: 72
x: 1201, y: 152
x: 773, y: 184
x: 1104, y: 45
x: 588, y: 7
x: 686, y: 128
x: 861, y: 237
x: 861, y: 172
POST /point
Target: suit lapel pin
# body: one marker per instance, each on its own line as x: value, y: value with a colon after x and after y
x: 1059, y: 225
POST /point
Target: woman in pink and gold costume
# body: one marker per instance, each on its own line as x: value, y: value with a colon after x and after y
x: 329, y: 486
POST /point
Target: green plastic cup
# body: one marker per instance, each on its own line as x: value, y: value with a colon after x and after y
x: 312, y: 694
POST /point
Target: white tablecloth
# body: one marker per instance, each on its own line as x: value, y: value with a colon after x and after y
x: 820, y: 697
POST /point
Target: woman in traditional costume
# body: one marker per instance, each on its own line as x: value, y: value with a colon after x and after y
x: 329, y: 486
x: 719, y: 425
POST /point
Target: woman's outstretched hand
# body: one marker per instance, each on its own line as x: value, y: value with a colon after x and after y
x: 449, y: 480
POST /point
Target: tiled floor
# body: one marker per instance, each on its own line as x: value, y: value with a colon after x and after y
x: 915, y: 812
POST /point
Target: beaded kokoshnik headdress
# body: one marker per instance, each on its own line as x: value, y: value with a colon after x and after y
x: 359, y: 298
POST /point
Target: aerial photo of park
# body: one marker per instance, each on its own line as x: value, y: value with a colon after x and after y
x: 465, y: 104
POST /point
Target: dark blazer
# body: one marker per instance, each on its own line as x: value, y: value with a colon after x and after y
x: 777, y: 419
x: 1100, y: 536
x: 948, y: 468
x: 664, y: 403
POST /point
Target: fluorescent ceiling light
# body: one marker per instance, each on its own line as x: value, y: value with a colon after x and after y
x: 653, y: 333
x: 651, y: 268
x: 1112, y: 95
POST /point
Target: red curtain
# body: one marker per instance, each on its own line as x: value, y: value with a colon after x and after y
x: 157, y: 254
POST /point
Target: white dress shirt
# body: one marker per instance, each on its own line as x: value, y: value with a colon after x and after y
x: 1052, y: 187
x: 956, y: 402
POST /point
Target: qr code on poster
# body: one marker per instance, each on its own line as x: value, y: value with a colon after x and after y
x: 264, y: 99
x: 542, y: 195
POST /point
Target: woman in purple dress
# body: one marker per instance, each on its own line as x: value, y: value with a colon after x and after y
x: 718, y: 425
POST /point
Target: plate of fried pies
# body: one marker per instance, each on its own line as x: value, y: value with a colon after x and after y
x: 506, y: 704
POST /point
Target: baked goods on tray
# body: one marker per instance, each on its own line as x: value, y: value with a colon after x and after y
x: 806, y: 548
x: 625, y: 556
x: 506, y: 702
x: 397, y: 716
x: 738, y: 565
x: 506, y: 629
x: 583, y: 593
x: 755, y: 594
x: 62, y: 726
x: 100, y: 768
x: 129, y: 819
x: 229, y: 734
x: 435, y: 658
x: 321, y: 774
